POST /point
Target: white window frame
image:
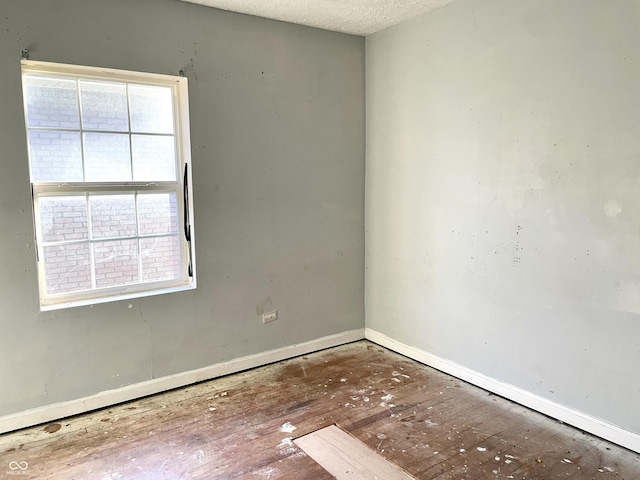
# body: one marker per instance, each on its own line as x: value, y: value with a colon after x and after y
x: 182, y: 187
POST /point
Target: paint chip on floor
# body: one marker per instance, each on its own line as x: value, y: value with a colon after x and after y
x: 287, y: 427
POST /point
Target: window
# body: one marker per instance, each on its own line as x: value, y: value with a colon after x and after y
x: 109, y: 163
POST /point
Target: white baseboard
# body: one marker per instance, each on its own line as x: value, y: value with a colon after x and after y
x: 567, y: 415
x: 60, y: 410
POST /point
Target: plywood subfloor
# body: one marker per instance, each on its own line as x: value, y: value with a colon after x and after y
x: 243, y: 426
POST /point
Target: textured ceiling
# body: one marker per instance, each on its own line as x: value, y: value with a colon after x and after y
x: 358, y: 17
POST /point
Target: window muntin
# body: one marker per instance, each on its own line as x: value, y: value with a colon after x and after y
x: 105, y: 149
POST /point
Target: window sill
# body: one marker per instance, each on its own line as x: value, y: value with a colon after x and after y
x: 90, y: 302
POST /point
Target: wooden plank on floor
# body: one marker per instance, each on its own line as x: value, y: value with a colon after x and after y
x: 346, y: 457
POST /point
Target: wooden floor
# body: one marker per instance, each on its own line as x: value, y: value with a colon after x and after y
x: 242, y: 426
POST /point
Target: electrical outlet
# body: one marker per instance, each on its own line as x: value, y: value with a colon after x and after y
x: 269, y: 316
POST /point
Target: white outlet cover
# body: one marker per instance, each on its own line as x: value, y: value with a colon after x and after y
x: 269, y: 316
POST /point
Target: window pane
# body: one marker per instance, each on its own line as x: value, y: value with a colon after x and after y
x: 116, y: 263
x: 151, y: 109
x: 63, y: 218
x: 55, y: 156
x: 158, y: 213
x: 66, y: 268
x: 112, y: 216
x: 107, y: 157
x: 154, y: 158
x: 104, y: 106
x: 160, y: 258
x: 51, y: 102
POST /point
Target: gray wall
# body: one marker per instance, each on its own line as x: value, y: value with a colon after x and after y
x: 503, y: 195
x: 277, y: 123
